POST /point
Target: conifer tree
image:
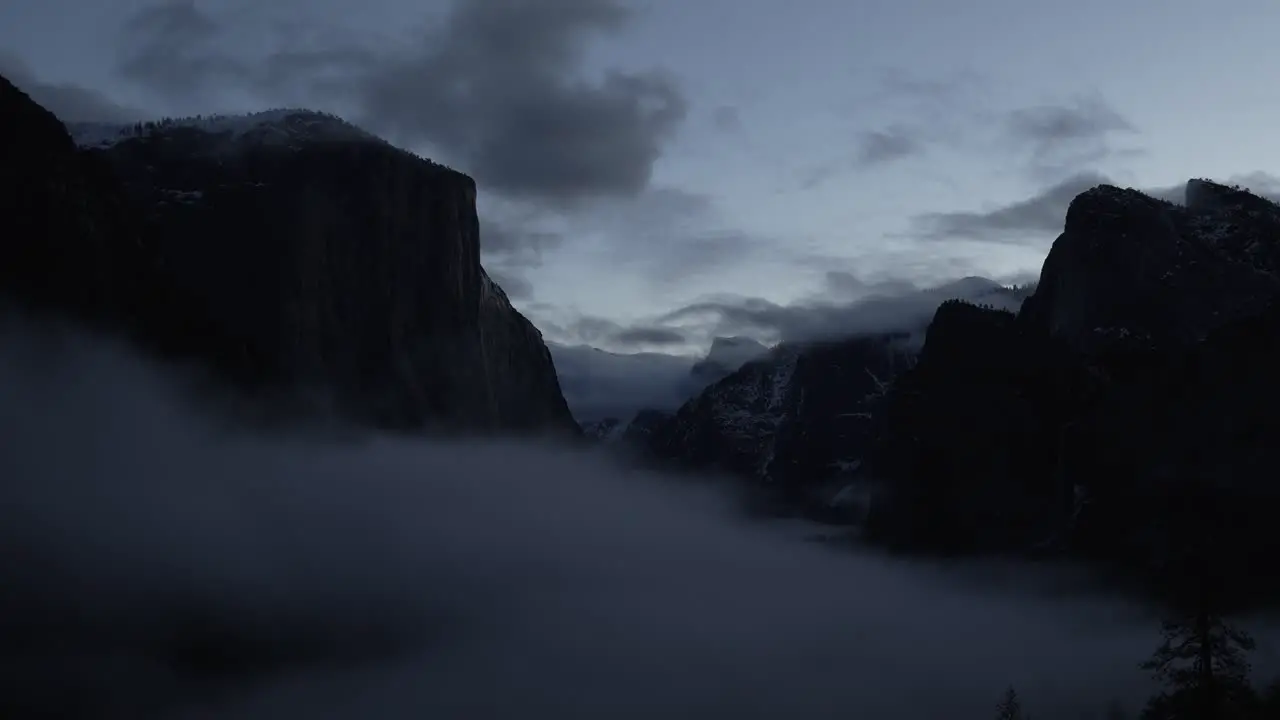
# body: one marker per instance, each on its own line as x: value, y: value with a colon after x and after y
x: 1203, y: 667
x: 1010, y: 707
x: 1202, y: 661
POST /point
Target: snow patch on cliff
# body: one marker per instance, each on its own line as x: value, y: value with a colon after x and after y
x: 284, y: 126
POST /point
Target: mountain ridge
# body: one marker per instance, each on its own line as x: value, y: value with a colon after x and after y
x: 798, y: 420
x: 344, y: 271
x: 1128, y: 385
x: 1134, y: 378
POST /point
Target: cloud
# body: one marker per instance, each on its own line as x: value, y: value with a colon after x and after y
x: 946, y: 103
x: 1263, y: 183
x: 516, y: 241
x: 890, y: 307
x: 846, y: 285
x: 162, y: 566
x: 1054, y: 140
x: 671, y: 235
x: 1082, y: 119
x: 726, y: 118
x: 1021, y: 222
x: 172, y: 48
x: 649, y: 336
x: 899, y: 87
x: 514, y: 245
x: 877, y: 147
x: 515, y: 285
x: 1260, y: 183
x: 605, y: 333
x: 872, y: 148
x: 598, y: 384
x: 70, y: 102
x: 1041, y: 216
x: 495, y: 86
x: 1062, y: 138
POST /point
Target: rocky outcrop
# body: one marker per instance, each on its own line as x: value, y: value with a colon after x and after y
x: 1134, y: 391
x: 791, y: 421
x: 969, y: 438
x: 522, y: 389
x: 1129, y: 268
x: 799, y: 420
x: 294, y: 253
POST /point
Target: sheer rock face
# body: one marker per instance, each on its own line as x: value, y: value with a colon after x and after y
x: 970, y: 435
x: 793, y: 421
x: 292, y: 252
x: 67, y: 236
x: 1134, y: 388
x: 1130, y: 268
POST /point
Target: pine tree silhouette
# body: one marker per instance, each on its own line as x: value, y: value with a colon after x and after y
x: 1010, y: 707
x: 1202, y: 661
x: 1203, y: 666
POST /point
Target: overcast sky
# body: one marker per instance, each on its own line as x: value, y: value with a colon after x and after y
x: 638, y: 157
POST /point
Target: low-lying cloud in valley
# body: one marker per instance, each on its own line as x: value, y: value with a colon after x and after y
x: 158, y: 566
x: 830, y: 316
x: 599, y: 383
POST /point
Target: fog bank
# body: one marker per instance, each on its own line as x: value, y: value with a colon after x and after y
x: 157, y: 566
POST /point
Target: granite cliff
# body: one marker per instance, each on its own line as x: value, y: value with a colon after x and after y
x: 1126, y: 410
x: 1123, y: 412
x: 290, y: 251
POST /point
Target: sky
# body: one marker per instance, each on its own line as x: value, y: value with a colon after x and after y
x: 638, y: 158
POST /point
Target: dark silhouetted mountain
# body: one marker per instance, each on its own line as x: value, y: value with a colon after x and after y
x: 1129, y: 268
x: 1135, y: 389
x: 292, y: 252
x: 968, y: 437
x: 642, y: 427
x: 798, y: 420
x: 787, y: 417
x: 70, y: 240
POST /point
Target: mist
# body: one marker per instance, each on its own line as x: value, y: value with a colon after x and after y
x: 157, y: 564
x: 598, y: 384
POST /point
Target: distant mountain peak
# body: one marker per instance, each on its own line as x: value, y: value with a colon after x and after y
x: 726, y: 355
x: 1210, y: 197
x: 971, y: 285
x: 735, y: 349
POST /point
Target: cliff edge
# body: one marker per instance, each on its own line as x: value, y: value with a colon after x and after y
x: 292, y: 252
